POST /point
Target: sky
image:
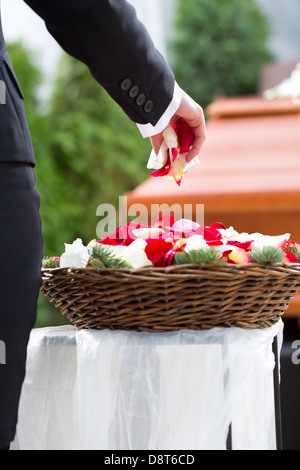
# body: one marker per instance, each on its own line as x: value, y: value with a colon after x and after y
x: 27, y: 26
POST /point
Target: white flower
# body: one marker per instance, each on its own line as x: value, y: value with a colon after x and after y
x: 75, y: 255
x: 195, y: 242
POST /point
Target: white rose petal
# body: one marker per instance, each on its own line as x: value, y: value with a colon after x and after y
x: 195, y: 242
x: 145, y: 233
x: 170, y: 137
x: 118, y: 251
x: 181, y: 166
x: 267, y: 240
x: 135, y: 255
x: 139, y: 260
x: 223, y: 248
x: 228, y: 232
x: 158, y: 161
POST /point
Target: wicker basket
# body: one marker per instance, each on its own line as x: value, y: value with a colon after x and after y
x: 173, y: 298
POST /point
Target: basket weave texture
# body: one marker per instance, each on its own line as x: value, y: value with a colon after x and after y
x: 196, y: 297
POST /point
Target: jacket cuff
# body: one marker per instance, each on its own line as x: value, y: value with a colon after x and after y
x: 148, y: 130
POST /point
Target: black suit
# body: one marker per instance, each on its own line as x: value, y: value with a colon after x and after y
x: 107, y: 36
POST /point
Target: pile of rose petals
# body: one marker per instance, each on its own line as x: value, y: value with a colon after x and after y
x: 156, y: 245
x: 165, y: 238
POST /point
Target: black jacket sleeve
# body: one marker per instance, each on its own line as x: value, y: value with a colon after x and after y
x: 108, y: 37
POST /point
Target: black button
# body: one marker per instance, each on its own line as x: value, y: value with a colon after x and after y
x: 134, y: 91
x: 126, y: 84
x: 148, y: 106
x: 141, y: 99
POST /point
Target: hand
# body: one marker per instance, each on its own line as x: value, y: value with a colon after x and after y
x: 193, y: 114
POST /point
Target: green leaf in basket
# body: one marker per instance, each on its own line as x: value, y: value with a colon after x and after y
x: 101, y: 257
x: 202, y: 256
x: 266, y: 255
x: 50, y: 263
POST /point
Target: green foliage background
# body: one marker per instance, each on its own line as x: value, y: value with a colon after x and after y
x: 89, y: 153
x: 219, y: 47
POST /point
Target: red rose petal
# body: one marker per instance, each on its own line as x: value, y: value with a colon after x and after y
x: 123, y: 235
x: 174, y: 153
x: 290, y: 257
x: 185, y: 135
x: 239, y: 256
x: 243, y: 245
x: 217, y: 225
x: 164, y: 171
x: 165, y: 221
x: 210, y: 234
x: 156, y: 250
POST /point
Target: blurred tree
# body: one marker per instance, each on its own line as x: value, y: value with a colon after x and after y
x: 219, y: 47
x: 30, y: 76
x: 97, y: 154
x: 88, y: 152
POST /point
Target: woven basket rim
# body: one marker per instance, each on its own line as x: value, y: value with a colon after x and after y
x: 291, y: 268
x: 176, y: 297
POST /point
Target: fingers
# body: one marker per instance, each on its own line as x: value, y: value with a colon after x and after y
x: 193, y: 114
x: 200, y: 136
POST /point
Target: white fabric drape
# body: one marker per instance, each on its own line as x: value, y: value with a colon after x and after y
x: 117, y: 390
